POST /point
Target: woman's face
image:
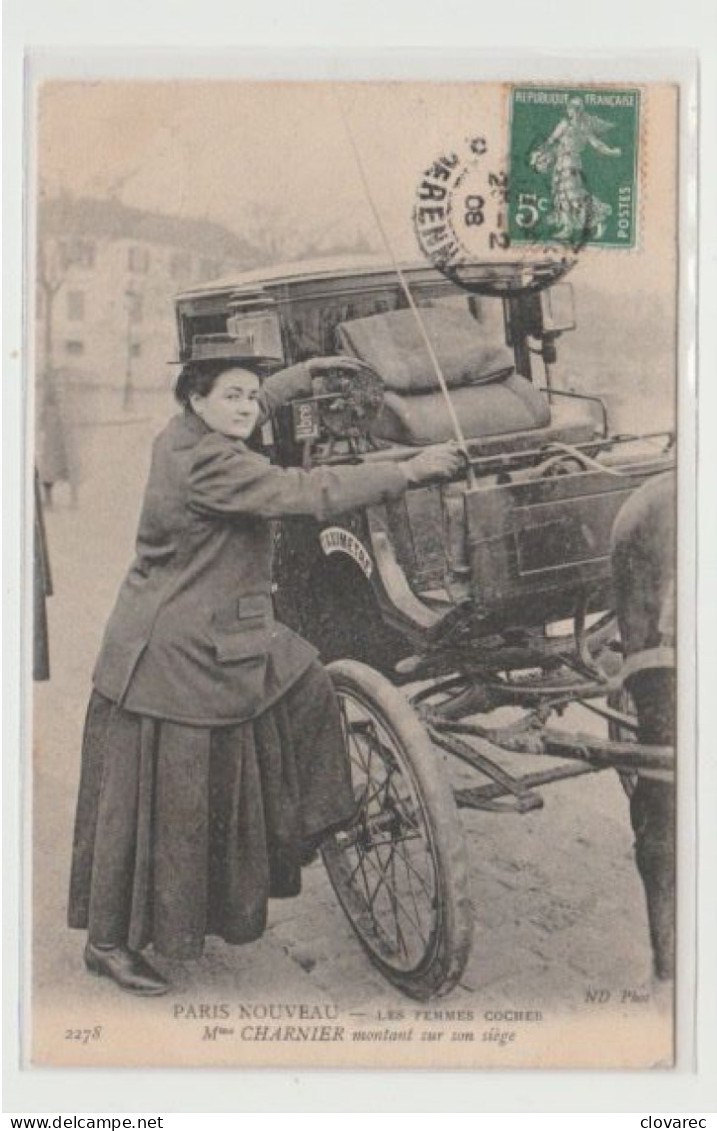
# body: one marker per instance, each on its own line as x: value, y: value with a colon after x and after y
x: 231, y: 407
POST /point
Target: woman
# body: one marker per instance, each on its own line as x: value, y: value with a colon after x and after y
x: 57, y: 447
x: 576, y: 211
x: 213, y: 759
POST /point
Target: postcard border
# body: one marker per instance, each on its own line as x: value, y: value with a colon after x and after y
x: 426, y: 1091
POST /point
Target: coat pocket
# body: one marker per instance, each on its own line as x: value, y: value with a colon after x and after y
x: 240, y: 644
x: 240, y: 631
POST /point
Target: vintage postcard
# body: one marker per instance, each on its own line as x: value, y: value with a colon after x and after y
x: 354, y: 441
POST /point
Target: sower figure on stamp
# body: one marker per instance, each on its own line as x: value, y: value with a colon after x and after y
x: 213, y: 759
x: 576, y: 211
x: 644, y: 572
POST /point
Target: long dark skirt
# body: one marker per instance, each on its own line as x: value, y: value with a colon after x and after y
x: 183, y: 832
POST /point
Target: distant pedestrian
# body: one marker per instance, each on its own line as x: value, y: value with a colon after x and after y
x: 42, y: 589
x: 56, y: 451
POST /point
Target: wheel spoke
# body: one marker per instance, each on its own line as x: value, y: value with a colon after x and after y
x: 369, y: 895
x: 399, y: 932
x: 369, y: 898
x: 368, y: 902
x: 350, y: 878
x: 364, y: 763
x: 381, y: 786
x: 416, y: 926
x: 420, y: 877
x: 410, y: 885
x: 382, y: 882
x: 371, y: 729
x: 386, y: 867
x: 364, y: 858
x: 401, y: 804
x: 350, y: 738
x: 411, y: 891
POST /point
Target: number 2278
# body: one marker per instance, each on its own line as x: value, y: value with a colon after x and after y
x: 84, y: 1036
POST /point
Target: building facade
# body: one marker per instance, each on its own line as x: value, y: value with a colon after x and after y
x: 105, y: 281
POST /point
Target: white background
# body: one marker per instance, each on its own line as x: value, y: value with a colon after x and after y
x: 373, y: 38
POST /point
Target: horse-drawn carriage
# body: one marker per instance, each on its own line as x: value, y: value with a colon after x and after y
x: 466, y: 617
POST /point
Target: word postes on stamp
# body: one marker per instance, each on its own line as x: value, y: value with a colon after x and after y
x: 573, y: 165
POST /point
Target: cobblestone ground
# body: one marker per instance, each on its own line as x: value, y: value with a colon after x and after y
x: 558, y: 907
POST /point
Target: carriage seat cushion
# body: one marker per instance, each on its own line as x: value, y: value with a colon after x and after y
x: 414, y: 410
x: 392, y: 344
x: 513, y: 405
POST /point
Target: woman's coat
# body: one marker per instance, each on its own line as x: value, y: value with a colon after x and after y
x: 192, y: 636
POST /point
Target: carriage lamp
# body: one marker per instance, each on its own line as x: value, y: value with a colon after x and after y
x: 557, y: 309
x: 253, y: 323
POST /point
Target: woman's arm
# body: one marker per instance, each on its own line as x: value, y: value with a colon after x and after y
x: 297, y: 380
x: 608, y: 150
x: 556, y: 134
x: 227, y: 480
x: 286, y: 385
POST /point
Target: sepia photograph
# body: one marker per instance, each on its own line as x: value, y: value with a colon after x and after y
x: 353, y: 460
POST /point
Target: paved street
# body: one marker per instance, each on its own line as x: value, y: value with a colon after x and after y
x: 558, y: 907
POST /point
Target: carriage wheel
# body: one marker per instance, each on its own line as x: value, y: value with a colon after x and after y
x: 400, y: 871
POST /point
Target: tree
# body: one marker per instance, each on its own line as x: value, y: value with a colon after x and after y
x: 54, y: 264
x: 52, y: 271
x: 54, y: 453
x: 277, y: 236
x: 270, y: 231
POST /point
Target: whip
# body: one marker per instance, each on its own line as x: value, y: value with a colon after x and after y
x: 442, y: 383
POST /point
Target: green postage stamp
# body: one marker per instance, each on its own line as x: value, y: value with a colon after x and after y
x: 573, y: 165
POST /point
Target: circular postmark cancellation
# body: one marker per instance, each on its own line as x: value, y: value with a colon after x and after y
x: 461, y: 213
x: 460, y: 206
x: 569, y: 181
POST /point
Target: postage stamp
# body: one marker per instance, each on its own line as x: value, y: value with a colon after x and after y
x: 573, y: 165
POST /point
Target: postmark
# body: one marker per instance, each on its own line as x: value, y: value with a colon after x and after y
x: 573, y: 165
x: 460, y: 207
x: 461, y: 211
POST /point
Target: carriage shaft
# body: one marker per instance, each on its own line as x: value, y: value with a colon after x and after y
x: 477, y: 796
x: 529, y: 736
